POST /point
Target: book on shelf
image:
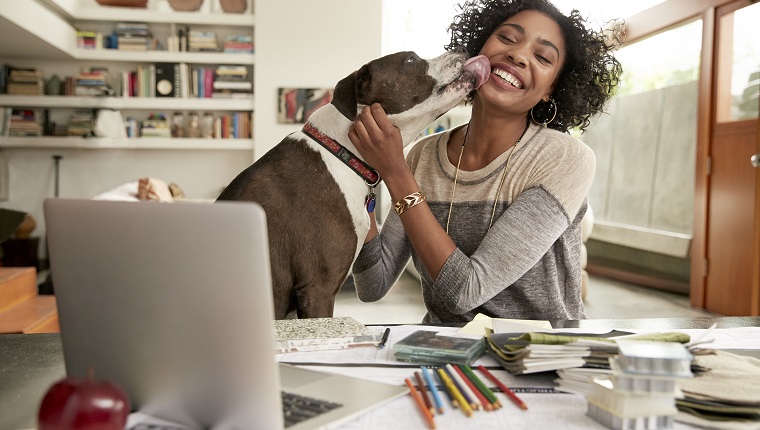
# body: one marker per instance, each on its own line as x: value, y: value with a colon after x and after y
x: 202, y: 41
x: 89, y: 39
x: 318, y: 334
x: 92, y: 82
x: 26, y: 122
x: 238, y: 44
x: 81, y: 123
x: 166, y: 83
x: 24, y: 81
x: 131, y: 36
x: 5, y: 120
x: 232, y: 81
x: 237, y: 125
x: 156, y: 125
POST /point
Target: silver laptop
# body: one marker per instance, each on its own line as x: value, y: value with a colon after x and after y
x: 173, y: 301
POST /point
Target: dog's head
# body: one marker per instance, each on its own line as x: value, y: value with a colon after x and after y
x: 412, y: 91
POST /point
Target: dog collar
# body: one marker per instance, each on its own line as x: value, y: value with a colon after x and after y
x: 370, y: 175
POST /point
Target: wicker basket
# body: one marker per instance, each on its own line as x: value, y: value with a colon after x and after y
x: 124, y: 3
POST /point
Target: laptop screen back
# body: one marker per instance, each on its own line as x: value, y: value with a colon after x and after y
x: 173, y: 302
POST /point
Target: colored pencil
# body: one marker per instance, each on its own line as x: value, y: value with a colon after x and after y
x: 463, y: 404
x: 424, y: 392
x: 481, y: 386
x: 471, y: 385
x: 463, y: 388
x: 445, y: 389
x: 433, y: 389
x: 512, y: 396
x: 420, y: 404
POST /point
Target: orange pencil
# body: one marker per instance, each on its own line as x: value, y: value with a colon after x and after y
x: 424, y: 392
x: 512, y: 396
x: 420, y: 404
x: 483, y: 401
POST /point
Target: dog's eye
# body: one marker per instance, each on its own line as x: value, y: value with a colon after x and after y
x: 413, y: 58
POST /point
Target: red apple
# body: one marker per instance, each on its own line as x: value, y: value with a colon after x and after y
x: 90, y: 404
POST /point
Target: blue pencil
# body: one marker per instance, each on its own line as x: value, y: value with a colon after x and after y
x: 433, y: 389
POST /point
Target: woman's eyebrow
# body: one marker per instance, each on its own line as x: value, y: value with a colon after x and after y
x: 521, y: 30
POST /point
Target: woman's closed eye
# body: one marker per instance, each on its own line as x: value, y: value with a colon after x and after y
x: 507, y: 39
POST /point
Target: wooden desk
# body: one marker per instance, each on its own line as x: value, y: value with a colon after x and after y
x: 30, y: 363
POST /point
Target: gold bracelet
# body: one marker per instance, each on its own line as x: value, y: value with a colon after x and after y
x: 409, y: 202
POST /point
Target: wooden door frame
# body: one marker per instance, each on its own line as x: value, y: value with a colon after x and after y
x: 662, y: 17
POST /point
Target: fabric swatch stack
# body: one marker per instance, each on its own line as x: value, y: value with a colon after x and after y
x: 641, y: 392
x: 723, y: 394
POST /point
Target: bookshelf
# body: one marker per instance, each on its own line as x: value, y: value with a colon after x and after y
x: 54, y: 142
x: 87, y: 15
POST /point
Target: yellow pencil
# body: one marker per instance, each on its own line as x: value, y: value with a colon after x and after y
x: 463, y: 404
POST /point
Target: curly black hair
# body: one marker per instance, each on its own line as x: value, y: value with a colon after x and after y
x: 590, y: 73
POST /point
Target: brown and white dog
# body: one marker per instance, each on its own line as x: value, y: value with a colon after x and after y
x: 314, y: 186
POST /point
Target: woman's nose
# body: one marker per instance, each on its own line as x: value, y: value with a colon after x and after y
x: 518, y: 56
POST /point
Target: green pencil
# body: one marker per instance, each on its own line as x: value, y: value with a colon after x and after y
x: 481, y: 386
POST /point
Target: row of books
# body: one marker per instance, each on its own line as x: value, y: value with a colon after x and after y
x: 16, y: 122
x: 236, y: 125
x: 138, y: 37
x: 182, y: 80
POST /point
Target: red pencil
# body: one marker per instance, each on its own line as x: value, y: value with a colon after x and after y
x: 420, y: 404
x: 512, y: 396
x: 483, y: 401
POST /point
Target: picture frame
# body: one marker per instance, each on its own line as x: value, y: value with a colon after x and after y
x: 295, y: 105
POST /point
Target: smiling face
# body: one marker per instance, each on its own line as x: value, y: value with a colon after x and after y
x: 527, y: 52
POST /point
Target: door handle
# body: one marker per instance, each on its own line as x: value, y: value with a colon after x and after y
x: 755, y: 160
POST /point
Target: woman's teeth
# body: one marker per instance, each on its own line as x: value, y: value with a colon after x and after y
x: 507, y: 77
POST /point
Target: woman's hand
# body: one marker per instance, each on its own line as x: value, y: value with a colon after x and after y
x: 378, y: 141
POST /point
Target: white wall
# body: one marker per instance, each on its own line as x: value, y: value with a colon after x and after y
x: 307, y: 44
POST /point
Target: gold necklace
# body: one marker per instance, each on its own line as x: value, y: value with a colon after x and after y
x: 501, y: 181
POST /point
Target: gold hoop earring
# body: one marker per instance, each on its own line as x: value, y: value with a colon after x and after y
x: 547, y: 109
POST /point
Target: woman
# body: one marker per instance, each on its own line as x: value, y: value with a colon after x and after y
x: 491, y: 212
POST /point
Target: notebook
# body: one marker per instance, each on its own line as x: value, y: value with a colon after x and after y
x: 173, y: 301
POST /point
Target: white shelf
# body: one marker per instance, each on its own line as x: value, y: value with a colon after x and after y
x: 117, y: 14
x: 168, y: 103
x: 161, y: 56
x: 52, y: 142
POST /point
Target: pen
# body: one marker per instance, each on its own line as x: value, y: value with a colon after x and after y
x: 512, y: 396
x: 424, y: 392
x: 463, y: 404
x: 475, y: 391
x: 384, y: 339
x: 463, y: 388
x: 433, y: 389
x: 417, y: 399
x: 481, y: 386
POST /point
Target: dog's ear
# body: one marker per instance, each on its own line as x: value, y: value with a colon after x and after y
x: 344, y: 96
x: 349, y: 90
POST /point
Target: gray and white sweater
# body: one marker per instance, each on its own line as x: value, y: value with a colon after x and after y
x: 527, y: 266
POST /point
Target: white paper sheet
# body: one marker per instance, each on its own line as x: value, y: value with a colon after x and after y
x: 545, y: 411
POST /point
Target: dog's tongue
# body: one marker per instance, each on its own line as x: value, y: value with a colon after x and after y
x: 480, y: 67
